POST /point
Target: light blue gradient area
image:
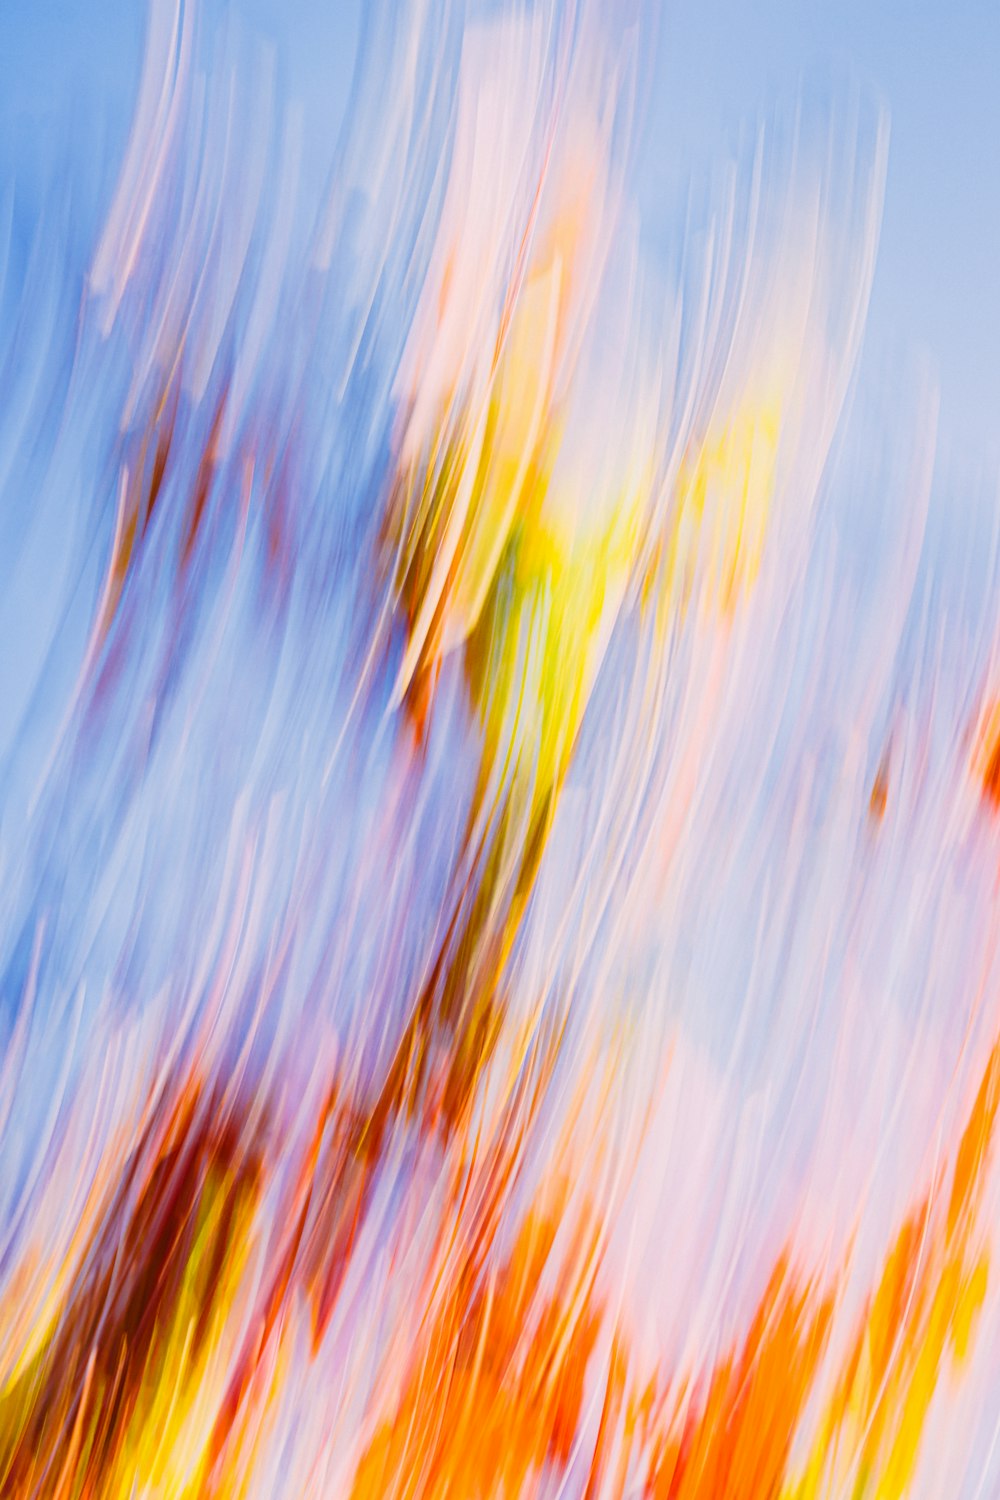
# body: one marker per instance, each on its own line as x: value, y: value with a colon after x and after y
x: 935, y: 65
x: 720, y: 65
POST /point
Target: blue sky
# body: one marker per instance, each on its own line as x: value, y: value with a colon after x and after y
x: 936, y: 66
x: 720, y: 64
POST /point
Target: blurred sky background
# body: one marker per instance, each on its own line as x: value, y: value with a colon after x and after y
x: 720, y: 65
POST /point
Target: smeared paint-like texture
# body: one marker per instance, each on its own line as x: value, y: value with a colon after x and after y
x: 498, y: 809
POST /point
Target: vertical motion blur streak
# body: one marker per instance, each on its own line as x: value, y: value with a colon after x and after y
x: 499, y: 795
